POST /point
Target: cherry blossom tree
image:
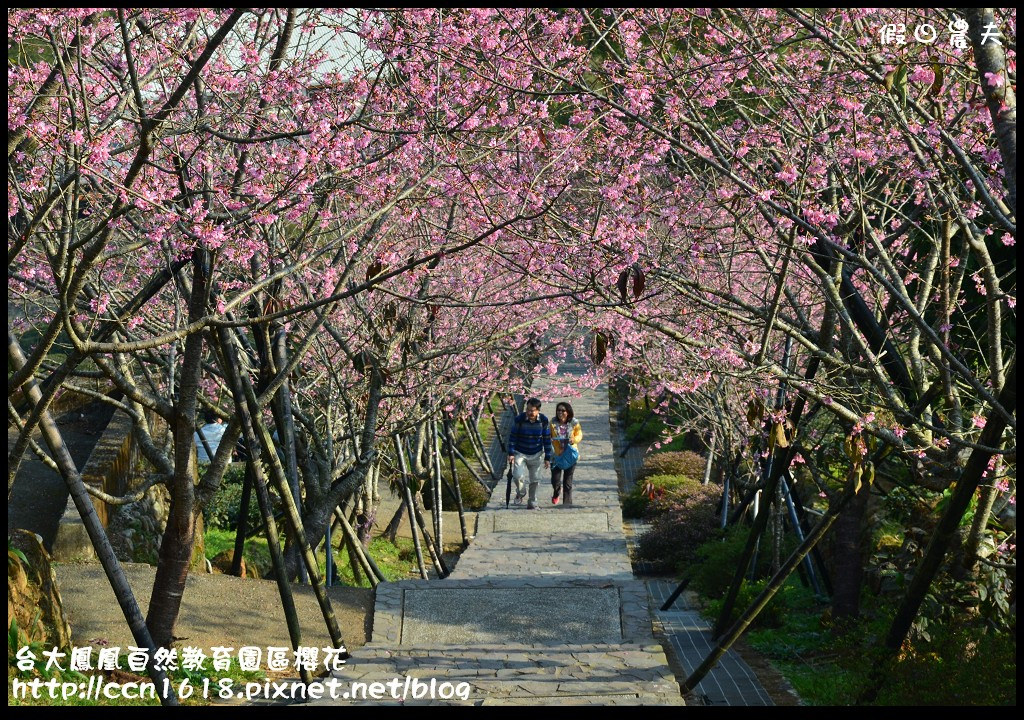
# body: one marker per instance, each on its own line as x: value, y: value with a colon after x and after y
x: 334, y: 224
x: 753, y: 176
x: 207, y: 196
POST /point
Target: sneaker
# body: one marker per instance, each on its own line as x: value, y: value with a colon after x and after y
x: 531, y: 506
x: 518, y: 500
x: 554, y: 499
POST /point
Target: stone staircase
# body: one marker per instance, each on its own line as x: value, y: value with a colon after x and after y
x: 541, y: 609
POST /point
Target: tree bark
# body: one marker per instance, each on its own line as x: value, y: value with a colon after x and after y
x: 101, y: 543
x: 848, y: 564
x: 179, y: 536
x: 990, y: 58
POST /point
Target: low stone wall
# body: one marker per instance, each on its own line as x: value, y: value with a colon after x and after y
x: 110, y: 464
x: 68, y: 400
x: 112, y: 468
x: 33, y: 599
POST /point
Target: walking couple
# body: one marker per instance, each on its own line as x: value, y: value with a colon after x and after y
x: 534, y: 440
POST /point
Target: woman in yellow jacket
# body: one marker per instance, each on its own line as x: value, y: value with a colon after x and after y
x: 566, y: 434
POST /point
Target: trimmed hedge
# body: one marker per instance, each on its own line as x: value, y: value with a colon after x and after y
x: 646, y: 493
x: 686, y: 463
x: 225, y: 506
x: 682, y: 521
x: 474, y: 496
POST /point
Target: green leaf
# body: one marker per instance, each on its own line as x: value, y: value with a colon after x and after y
x: 889, y: 79
x: 900, y: 84
x: 12, y: 636
x: 16, y: 553
x: 940, y: 78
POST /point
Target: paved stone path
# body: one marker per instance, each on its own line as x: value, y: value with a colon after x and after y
x: 732, y: 682
x: 542, y: 608
x: 686, y: 633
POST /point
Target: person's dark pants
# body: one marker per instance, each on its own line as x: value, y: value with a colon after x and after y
x: 561, y: 480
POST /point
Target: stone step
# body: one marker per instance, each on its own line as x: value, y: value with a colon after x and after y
x: 552, y: 520
x: 597, y: 554
x: 601, y: 673
x: 548, y: 610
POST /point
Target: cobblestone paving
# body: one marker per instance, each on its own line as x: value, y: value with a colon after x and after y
x: 542, y: 608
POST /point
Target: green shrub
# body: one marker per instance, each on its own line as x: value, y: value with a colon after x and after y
x: 224, y: 508
x: 682, y: 521
x: 961, y: 666
x: 647, y: 493
x: 474, y: 496
x: 644, y: 431
x: 772, y: 615
x: 715, y: 562
x: 634, y: 503
x: 686, y: 463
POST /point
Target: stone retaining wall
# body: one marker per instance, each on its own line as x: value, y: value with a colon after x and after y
x: 112, y: 468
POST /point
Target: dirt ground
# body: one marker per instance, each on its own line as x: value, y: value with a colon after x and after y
x: 217, y: 610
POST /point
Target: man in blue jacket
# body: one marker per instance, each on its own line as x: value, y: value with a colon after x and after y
x: 528, y: 444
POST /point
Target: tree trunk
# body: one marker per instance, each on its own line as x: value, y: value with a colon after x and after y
x: 450, y: 442
x: 233, y: 377
x: 373, y: 573
x: 285, y: 424
x: 407, y: 494
x: 391, y: 531
x: 438, y: 482
x: 179, y: 536
x: 292, y: 518
x: 243, y: 519
x: 473, y: 432
x: 711, y: 458
x: 848, y: 564
x: 989, y: 493
x: 174, y: 560
x: 101, y: 543
x: 991, y: 436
